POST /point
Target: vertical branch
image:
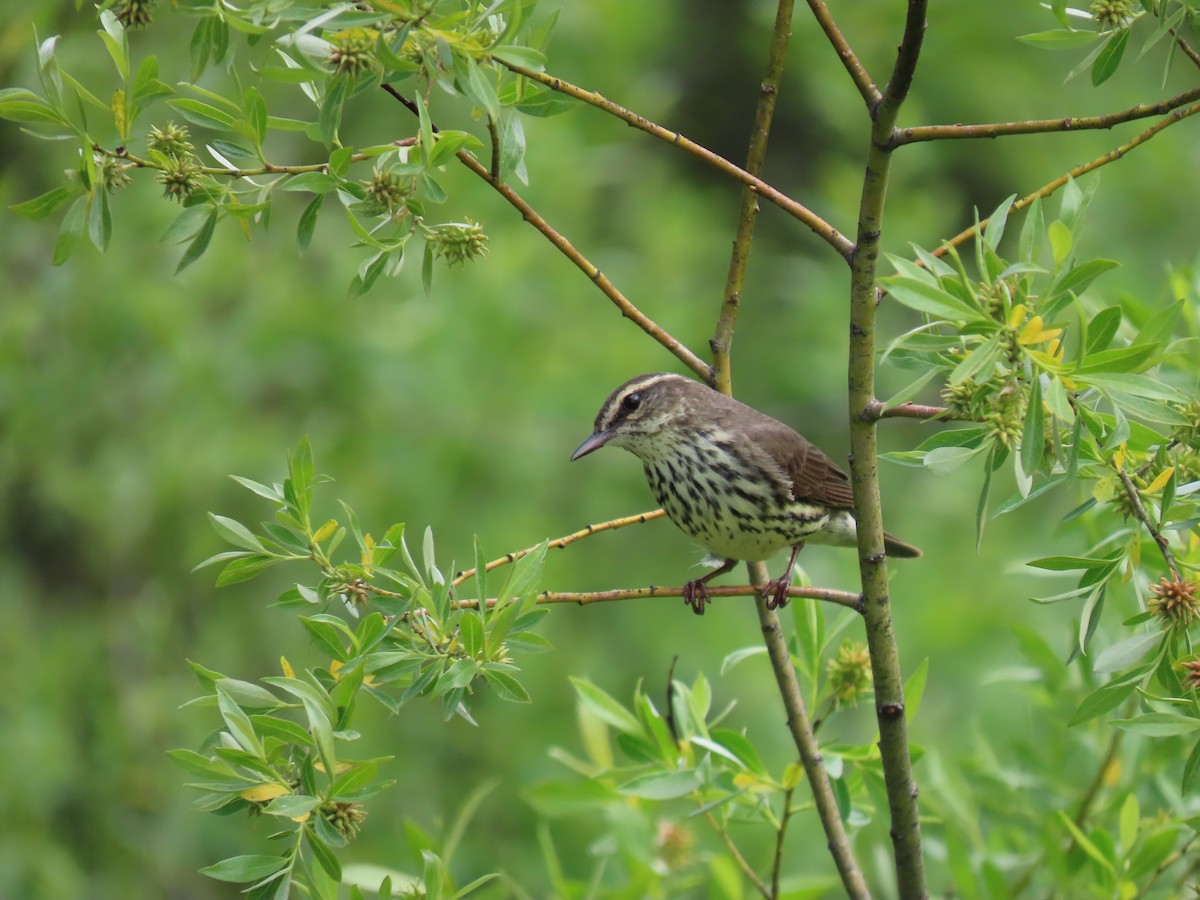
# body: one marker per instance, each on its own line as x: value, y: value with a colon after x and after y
x: 881, y: 640
x: 806, y: 742
x: 722, y: 340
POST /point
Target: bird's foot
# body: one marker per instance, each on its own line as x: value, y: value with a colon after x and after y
x: 695, y: 595
x: 775, y: 592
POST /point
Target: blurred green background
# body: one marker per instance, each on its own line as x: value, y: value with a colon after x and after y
x: 128, y: 395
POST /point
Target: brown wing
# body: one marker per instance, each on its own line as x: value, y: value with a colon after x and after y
x: 813, y: 475
x: 816, y: 477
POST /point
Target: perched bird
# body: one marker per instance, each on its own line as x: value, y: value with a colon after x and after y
x: 744, y: 485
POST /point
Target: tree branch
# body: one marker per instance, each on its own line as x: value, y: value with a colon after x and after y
x: 784, y: 817
x: 582, y: 598
x: 747, y: 869
x: 530, y: 215
x: 862, y: 80
x: 1046, y: 190
x: 819, y: 226
x: 559, y: 543
x: 806, y: 742
x: 876, y: 410
x: 722, y: 341
x: 881, y: 639
x: 1139, y: 510
x: 903, y: 136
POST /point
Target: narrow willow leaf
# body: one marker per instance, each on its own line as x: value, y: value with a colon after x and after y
x: 200, y: 242
x: 1110, y: 57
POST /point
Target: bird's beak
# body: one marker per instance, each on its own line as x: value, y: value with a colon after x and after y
x: 594, y: 442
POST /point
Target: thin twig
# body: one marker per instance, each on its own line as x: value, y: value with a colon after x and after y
x: 722, y: 341
x: 806, y: 743
x: 1139, y: 510
x: 746, y: 868
x: 862, y: 80
x: 530, y: 215
x: 819, y: 226
x: 876, y: 410
x: 903, y: 136
x: 864, y: 472
x: 559, y: 543
x: 1047, y: 189
x: 582, y: 598
x: 784, y: 817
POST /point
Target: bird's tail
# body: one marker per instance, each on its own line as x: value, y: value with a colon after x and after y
x: 898, y: 548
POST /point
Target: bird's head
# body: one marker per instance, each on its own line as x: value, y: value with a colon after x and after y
x: 638, y: 413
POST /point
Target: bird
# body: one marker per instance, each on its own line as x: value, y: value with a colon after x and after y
x: 744, y: 485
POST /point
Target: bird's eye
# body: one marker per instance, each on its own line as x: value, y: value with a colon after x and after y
x: 632, y: 402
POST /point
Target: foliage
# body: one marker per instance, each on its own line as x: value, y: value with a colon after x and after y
x: 1043, y: 375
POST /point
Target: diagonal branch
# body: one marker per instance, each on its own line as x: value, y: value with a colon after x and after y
x: 530, y: 215
x: 819, y: 226
x: 862, y: 80
x: 559, y: 543
x: 1046, y: 190
x: 722, y: 341
x: 1139, y: 510
x: 806, y: 743
x: 903, y: 136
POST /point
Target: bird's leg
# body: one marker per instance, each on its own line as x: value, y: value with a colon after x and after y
x: 776, y: 590
x: 695, y: 592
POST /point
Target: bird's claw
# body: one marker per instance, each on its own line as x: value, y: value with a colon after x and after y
x: 775, y: 592
x: 695, y: 595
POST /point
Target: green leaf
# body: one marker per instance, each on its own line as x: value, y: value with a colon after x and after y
x: 1033, y: 434
x: 327, y: 635
x: 316, y: 182
x: 202, y: 114
x: 1069, y: 563
x: 1158, y: 724
x: 471, y: 631
x: 1103, y: 700
x: 994, y: 230
x: 1190, y: 769
x: 1102, y: 328
x: 324, y: 854
x: 330, y: 117
x: 914, y: 690
x: 99, y: 220
x: 1074, y: 282
x: 1032, y: 232
x: 605, y: 707
x: 21, y: 105
x: 525, y: 57
x: 1135, y: 385
x: 200, y: 242
x: 1126, y: 652
x: 506, y: 686
x: 245, y: 868
x: 1110, y: 57
x: 236, y: 533
x: 663, y: 787
x: 238, y: 723
x: 945, y: 460
x: 1084, y: 843
x: 1061, y: 242
x: 1119, y: 359
x: 69, y: 232
x: 1159, y: 328
x: 308, y: 222
x: 41, y: 206
x: 1058, y: 39
x: 543, y: 104
x: 930, y: 299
